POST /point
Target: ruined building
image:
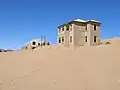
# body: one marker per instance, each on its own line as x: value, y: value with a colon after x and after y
x: 79, y: 33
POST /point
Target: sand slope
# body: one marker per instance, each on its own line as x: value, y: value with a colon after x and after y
x: 90, y: 68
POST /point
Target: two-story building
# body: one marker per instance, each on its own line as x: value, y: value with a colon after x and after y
x: 79, y: 33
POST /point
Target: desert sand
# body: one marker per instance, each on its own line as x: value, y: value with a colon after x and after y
x: 53, y: 68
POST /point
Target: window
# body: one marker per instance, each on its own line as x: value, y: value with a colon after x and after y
x: 86, y: 28
x: 85, y: 38
x: 70, y: 39
x: 38, y: 44
x: 48, y: 43
x: 33, y: 47
x: 67, y: 28
x: 62, y: 39
x: 95, y: 27
x: 62, y: 28
x: 59, y: 40
x: 33, y: 43
x: 95, y: 38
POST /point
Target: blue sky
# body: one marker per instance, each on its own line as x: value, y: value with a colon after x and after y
x: 23, y: 20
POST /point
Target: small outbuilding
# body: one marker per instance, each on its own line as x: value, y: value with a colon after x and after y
x: 35, y: 43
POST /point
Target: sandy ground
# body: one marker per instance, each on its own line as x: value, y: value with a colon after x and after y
x: 90, y: 68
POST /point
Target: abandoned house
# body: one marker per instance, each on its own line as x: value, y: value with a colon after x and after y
x: 79, y: 33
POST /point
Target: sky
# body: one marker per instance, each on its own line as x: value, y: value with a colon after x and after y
x: 24, y: 20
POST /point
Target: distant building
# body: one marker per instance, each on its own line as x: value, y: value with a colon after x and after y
x: 35, y: 43
x: 79, y: 33
x: 6, y: 50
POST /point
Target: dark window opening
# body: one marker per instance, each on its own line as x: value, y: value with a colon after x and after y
x: 95, y: 27
x: 62, y: 28
x: 86, y: 28
x: 33, y: 47
x: 33, y: 43
x: 48, y: 43
x: 85, y: 38
x: 95, y: 38
x: 38, y: 44
x: 62, y: 39
x: 67, y: 28
x: 59, y: 40
x: 70, y: 39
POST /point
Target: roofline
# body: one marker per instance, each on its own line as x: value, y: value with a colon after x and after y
x: 71, y: 22
x: 93, y: 21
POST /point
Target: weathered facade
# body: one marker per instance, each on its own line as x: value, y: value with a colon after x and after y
x: 79, y: 33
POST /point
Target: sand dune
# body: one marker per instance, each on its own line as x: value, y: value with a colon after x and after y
x: 54, y: 68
